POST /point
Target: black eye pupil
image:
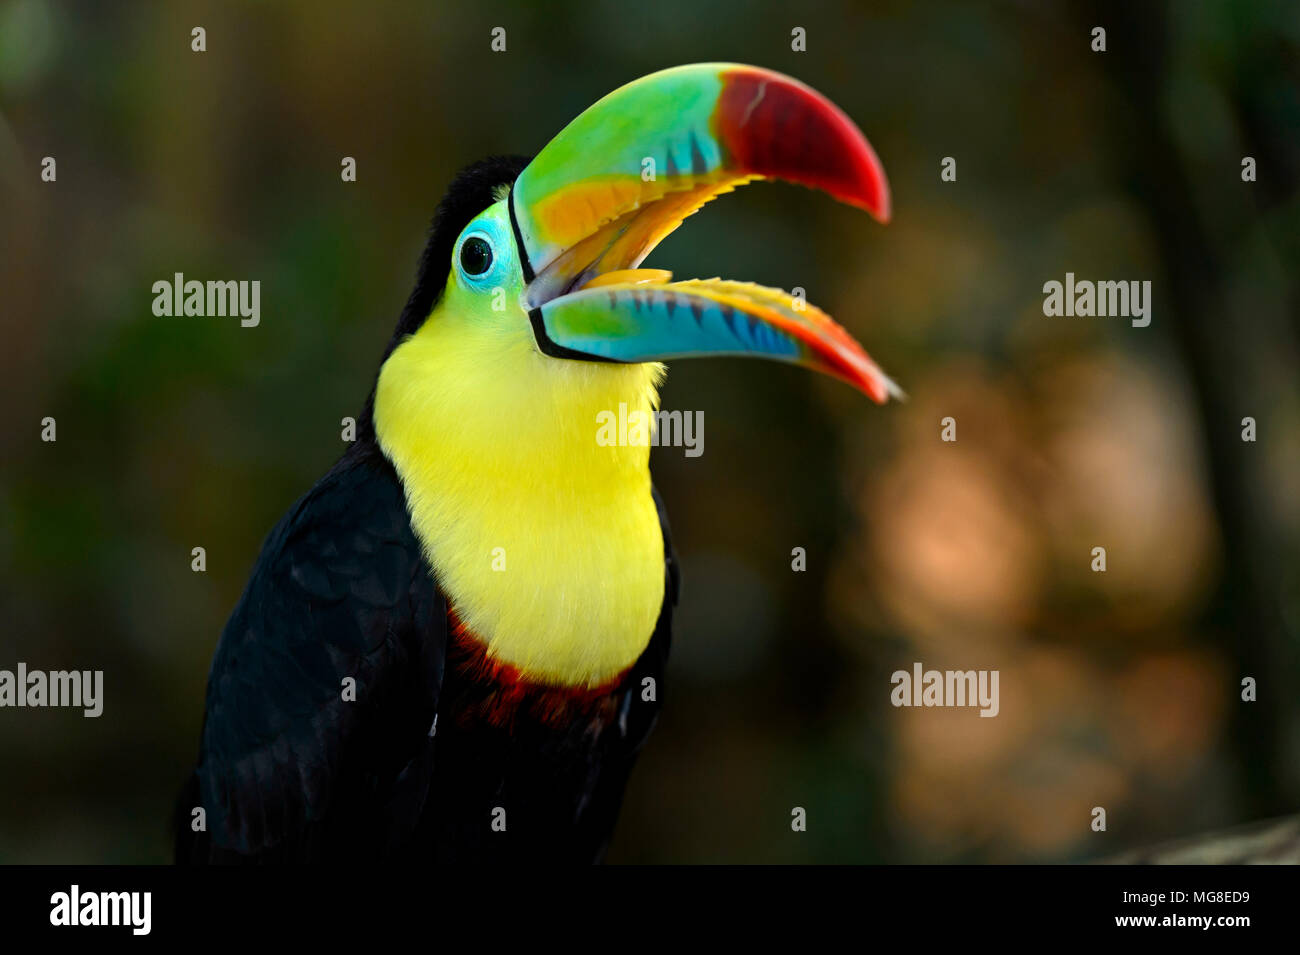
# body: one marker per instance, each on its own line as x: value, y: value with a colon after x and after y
x: 475, y: 256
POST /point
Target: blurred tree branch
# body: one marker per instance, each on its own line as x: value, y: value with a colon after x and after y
x: 1276, y: 841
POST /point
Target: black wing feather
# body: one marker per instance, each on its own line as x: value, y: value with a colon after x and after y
x: 289, y: 770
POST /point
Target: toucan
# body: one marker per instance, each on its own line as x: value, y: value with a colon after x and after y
x: 452, y: 648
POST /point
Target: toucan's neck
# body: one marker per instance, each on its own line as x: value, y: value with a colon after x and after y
x: 546, y: 541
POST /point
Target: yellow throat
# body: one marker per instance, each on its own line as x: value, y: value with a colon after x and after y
x: 546, y: 543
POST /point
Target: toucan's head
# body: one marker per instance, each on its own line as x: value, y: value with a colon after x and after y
x: 542, y: 256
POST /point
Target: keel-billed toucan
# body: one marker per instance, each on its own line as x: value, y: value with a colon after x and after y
x: 453, y: 646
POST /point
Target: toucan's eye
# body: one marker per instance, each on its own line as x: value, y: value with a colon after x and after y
x: 475, y: 255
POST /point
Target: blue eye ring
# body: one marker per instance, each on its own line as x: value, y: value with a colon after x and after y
x: 483, y: 255
x: 476, y: 256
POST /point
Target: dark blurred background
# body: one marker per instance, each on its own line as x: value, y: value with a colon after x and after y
x: 1119, y: 690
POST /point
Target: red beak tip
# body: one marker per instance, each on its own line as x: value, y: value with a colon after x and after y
x: 884, y: 212
x: 878, y: 207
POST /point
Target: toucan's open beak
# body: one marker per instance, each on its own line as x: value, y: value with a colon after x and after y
x: 619, y: 178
